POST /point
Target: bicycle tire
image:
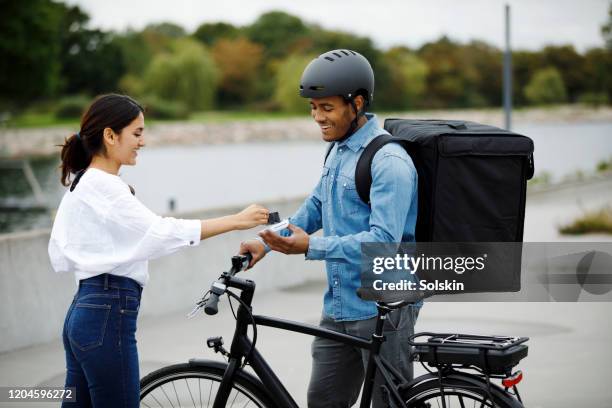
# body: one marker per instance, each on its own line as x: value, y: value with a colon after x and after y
x: 458, y: 390
x: 175, y: 386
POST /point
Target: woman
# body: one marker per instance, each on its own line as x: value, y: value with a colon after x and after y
x: 105, y: 236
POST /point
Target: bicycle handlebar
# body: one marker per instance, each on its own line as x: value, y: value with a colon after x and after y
x: 239, y: 263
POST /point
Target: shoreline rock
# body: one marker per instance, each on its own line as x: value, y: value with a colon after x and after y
x: 36, y: 142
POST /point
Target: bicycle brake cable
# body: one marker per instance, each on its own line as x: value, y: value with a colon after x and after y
x: 250, y: 353
x: 229, y: 299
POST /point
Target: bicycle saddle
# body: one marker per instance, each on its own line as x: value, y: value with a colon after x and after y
x: 387, y: 297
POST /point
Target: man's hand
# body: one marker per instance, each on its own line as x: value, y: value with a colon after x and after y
x: 297, y: 243
x: 255, y: 248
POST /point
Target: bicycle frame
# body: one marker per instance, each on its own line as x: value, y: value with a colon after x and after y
x: 241, y: 347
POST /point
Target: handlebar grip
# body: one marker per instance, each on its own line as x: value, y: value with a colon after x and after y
x: 211, y: 307
x: 249, y: 258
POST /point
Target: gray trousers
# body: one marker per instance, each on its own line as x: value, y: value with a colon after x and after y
x: 338, y: 370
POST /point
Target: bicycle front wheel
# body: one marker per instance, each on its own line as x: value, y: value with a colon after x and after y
x: 196, y: 385
x: 457, y: 392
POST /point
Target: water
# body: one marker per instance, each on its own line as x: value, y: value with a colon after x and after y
x: 207, y: 176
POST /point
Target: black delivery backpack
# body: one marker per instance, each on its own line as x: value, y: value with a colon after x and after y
x: 472, y: 178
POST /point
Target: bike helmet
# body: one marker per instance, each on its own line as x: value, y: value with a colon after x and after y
x: 339, y: 72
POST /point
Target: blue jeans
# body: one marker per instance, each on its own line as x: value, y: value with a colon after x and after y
x: 100, y: 343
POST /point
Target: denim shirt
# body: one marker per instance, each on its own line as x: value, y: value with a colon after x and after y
x: 335, y: 206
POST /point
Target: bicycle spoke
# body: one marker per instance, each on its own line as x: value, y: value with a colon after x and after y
x: 200, y: 390
x: 461, y: 401
x: 234, y: 400
x: 164, y: 391
x: 155, y: 399
x: 191, y: 395
x: 176, y: 393
x: 209, y: 394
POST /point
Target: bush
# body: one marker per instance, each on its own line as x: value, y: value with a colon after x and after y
x: 599, y: 221
x: 604, y: 165
x: 157, y: 108
x: 71, y: 107
x: 546, y: 87
x: 595, y: 99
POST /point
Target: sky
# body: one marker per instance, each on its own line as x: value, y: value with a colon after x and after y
x: 535, y: 23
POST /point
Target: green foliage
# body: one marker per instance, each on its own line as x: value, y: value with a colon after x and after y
x: 451, y: 80
x: 546, y: 87
x: 604, y: 166
x: 595, y: 99
x: 598, y: 72
x: 136, y: 51
x: 406, y: 84
x: 165, y: 29
x: 209, y: 33
x: 278, y: 32
x: 542, y: 178
x: 91, y: 61
x: 239, y: 62
x: 30, y: 50
x: 569, y: 64
x: 599, y: 221
x: 48, y: 50
x: 71, y: 107
x: 187, y: 75
x: 157, y: 108
x: 288, y: 76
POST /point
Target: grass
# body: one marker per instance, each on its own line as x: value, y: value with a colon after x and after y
x: 33, y: 120
x: 36, y: 119
x: 599, y: 221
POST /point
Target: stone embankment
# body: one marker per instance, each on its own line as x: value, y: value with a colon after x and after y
x: 28, y: 142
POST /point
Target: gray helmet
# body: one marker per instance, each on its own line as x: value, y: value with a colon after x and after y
x: 338, y: 72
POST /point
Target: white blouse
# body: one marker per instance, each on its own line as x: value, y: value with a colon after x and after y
x: 100, y: 227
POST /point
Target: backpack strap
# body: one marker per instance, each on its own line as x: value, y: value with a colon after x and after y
x: 363, y: 170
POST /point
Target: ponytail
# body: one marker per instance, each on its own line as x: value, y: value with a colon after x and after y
x: 74, y: 157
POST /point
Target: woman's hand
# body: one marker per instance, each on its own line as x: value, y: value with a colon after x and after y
x: 251, y: 216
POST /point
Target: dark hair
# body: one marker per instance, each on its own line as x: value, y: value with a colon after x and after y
x: 107, y: 111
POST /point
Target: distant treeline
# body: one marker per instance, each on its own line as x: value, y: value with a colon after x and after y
x: 49, y: 52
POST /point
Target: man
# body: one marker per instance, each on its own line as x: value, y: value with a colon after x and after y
x: 340, y: 85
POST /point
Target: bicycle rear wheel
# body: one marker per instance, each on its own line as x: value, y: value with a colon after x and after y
x: 196, y: 385
x: 458, y: 392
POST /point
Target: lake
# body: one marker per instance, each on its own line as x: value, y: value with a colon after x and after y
x: 205, y: 176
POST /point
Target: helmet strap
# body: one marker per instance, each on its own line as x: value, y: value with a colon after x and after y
x: 355, y: 122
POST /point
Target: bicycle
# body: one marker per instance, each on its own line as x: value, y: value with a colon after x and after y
x: 460, y: 367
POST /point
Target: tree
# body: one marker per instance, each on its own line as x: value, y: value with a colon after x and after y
x: 486, y: 61
x: 238, y: 60
x: 208, y: 33
x: 167, y: 29
x: 453, y: 80
x: 598, y: 73
x: 606, y: 30
x: 287, y: 92
x: 277, y: 32
x: 188, y: 75
x: 546, y: 87
x: 406, y: 84
x: 569, y: 64
x: 30, y: 48
x: 91, y: 62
